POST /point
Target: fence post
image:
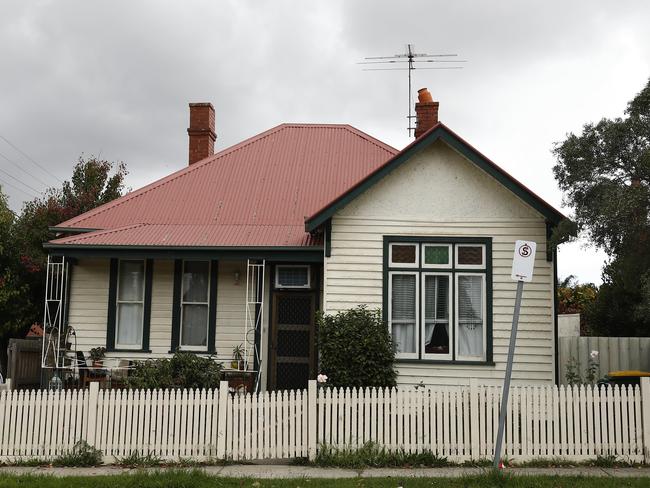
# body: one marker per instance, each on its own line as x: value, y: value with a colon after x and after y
x: 473, y: 418
x: 221, y: 422
x: 312, y: 419
x: 645, y: 414
x: 93, y: 397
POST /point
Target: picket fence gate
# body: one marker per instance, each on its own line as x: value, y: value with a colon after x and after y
x: 459, y: 423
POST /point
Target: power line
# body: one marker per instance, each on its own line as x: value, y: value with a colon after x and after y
x: 16, y: 188
x: 24, y: 170
x: 19, y: 181
x: 30, y: 158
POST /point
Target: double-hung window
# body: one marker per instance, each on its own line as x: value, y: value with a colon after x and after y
x: 437, y: 297
x: 130, y: 304
x: 195, y: 305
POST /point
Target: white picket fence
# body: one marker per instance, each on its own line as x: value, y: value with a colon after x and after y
x: 459, y: 423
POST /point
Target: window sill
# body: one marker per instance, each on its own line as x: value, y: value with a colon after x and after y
x: 129, y: 350
x: 194, y: 351
x: 445, y: 362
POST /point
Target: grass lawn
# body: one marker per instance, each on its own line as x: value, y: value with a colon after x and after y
x: 188, y: 479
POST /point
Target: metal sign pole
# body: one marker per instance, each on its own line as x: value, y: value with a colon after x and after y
x: 506, y: 381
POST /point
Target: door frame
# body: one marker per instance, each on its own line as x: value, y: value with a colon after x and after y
x: 315, y: 290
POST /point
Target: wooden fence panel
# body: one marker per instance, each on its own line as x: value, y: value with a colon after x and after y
x: 614, y: 353
x: 459, y: 423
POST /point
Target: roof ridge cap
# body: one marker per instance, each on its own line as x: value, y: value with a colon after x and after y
x: 373, y: 140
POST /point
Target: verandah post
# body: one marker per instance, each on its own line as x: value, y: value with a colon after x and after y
x: 221, y: 421
x: 93, y: 401
x: 312, y: 419
x: 645, y: 414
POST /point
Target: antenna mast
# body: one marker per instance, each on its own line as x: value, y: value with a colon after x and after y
x: 410, y: 57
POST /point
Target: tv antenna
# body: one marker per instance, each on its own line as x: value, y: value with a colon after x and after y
x: 410, y: 57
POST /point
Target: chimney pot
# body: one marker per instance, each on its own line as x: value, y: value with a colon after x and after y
x: 201, y: 132
x: 426, y: 111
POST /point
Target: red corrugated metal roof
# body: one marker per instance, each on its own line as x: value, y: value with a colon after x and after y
x: 180, y: 235
x: 257, y: 192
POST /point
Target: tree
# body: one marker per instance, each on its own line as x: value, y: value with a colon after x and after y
x: 93, y: 183
x: 605, y: 176
x: 15, y: 301
x: 573, y: 297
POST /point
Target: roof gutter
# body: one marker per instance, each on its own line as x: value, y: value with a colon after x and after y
x: 273, y: 253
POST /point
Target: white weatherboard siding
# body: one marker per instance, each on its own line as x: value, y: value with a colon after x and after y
x: 439, y: 193
x: 88, y: 306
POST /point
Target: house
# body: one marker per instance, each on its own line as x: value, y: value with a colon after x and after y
x: 245, y: 245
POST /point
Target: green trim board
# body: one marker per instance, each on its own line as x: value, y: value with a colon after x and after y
x: 487, y: 242
x: 286, y: 254
x: 176, y: 305
x: 438, y: 132
x: 72, y: 230
x: 212, y: 304
x: 112, y: 305
x: 148, y: 285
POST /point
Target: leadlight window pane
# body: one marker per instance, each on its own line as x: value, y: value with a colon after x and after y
x: 403, y: 254
x: 470, y: 315
x: 196, y: 281
x: 293, y: 276
x: 470, y: 255
x: 436, y: 314
x: 403, y: 313
x: 131, y: 281
x: 436, y: 255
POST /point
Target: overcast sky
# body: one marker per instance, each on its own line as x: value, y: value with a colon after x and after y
x: 113, y: 78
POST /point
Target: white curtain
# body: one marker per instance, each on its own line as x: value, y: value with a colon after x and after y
x: 195, y: 325
x: 194, y: 320
x: 130, y: 303
x: 470, y: 316
x: 403, y: 312
x: 129, y: 324
x: 436, y: 306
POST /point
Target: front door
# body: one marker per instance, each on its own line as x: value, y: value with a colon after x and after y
x: 293, y: 336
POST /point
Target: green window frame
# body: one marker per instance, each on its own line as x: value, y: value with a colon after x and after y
x: 177, y: 308
x: 453, y: 297
x: 114, y: 303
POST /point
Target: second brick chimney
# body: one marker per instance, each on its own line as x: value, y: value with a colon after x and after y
x: 201, y: 131
x: 426, y: 111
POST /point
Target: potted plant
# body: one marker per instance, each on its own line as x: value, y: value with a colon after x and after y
x: 97, y: 356
x: 237, y: 357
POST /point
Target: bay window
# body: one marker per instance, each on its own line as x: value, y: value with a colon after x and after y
x: 437, y: 303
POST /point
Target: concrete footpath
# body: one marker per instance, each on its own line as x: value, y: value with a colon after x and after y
x: 277, y: 471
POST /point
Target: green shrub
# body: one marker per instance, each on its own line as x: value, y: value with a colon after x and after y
x: 183, y: 370
x: 356, y: 349
x: 137, y: 460
x: 370, y: 455
x: 82, y: 454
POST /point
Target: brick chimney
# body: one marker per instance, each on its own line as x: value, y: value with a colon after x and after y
x: 201, y: 131
x: 426, y: 111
